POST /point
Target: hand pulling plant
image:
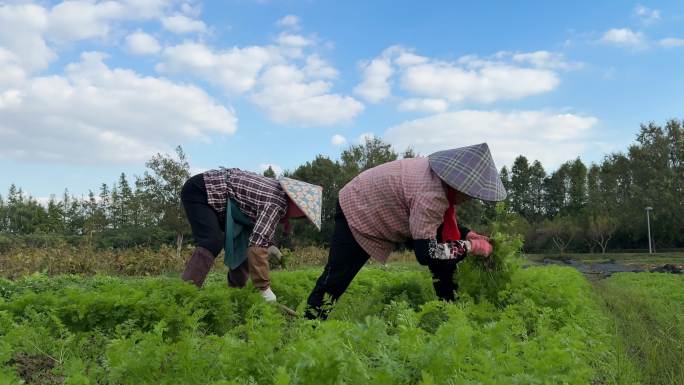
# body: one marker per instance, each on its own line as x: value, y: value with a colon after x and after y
x: 489, y: 277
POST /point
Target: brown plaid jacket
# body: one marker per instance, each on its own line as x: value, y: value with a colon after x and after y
x: 258, y: 197
x: 392, y: 203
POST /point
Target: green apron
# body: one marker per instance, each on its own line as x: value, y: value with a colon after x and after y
x: 238, y: 230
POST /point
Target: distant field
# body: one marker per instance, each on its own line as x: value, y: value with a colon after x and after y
x: 676, y: 258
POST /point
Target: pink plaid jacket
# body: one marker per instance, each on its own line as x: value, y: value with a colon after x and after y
x: 392, y: 203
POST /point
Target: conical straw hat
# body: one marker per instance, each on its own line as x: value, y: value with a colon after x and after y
x: 470, y: 170
x: 308, y: 197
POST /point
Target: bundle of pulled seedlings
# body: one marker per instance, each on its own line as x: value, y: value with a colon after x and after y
x: 489, y: 277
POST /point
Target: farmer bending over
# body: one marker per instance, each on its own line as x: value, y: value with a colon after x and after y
x: 240, y: 210
x: 407, y: 201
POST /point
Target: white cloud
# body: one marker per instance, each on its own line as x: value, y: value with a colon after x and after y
x: 141, y: 43
x: 9, y: 99
x: 624, y: 37
x: 27, y: 28
x: 546, y: 59
x: 505, y: 76
x: 192, y: 10
x: 78, y: 20
x: 147, y: 9
x: 21, y: 34
x: 319, y: 68
x: 406, y: 58
x: 292, y: 45
x: 671, y: 42
x: 12, y: 74
x: 290, y: 93
x: 546, y: 136
x: 646, y: 15
x: 235, y: 69
x: 366, y: 136
x: 276, y: 168
x: 338, y: 140
x: 375, y: 86
x: 181, y: 24
x: 490, y: 82
x: 289, y: 97
x: 289, y: 21
x: 293, y: 40
x: 97, y: 114
x: 424, y: 105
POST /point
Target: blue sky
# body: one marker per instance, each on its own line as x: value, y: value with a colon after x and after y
x: 90, y: 89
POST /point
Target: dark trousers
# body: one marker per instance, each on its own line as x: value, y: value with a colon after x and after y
x: 207, y: 225
x: 208, y: 231
x: 443, y: 278
x: 345, y: 259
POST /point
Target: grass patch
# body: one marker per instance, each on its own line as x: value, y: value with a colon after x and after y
x: 648, y: 314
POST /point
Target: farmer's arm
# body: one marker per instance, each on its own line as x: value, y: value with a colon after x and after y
x: 425, y: 217
x: 429, y: 250
x: 265, y: 225
x: 464, y: 231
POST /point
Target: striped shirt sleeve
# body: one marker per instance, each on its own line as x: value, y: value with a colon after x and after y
x: 264, y: 228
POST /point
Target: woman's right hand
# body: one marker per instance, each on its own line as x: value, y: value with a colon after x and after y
x: 480, y: 247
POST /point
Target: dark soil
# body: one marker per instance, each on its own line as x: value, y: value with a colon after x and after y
x: 668, y: 268
x: 605, y: 270
x: 36, y: 369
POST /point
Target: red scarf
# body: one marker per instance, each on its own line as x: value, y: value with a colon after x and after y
x: 287, y: 227
x: 450, y: 228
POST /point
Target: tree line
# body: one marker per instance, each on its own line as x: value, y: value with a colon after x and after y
x: 577, y: 207
x: 147, y: 212
x: 603, y: 206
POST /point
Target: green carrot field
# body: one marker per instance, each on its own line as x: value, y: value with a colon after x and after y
x: 388, y: 329
x: 511, y: 325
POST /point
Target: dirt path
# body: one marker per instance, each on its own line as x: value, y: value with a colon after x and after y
x: 596, y: 271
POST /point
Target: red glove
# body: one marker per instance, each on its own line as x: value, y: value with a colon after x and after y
x: 473, y: 235
x: 480, y: 247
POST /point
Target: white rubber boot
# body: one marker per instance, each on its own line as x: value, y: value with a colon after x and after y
x: 268, y: 295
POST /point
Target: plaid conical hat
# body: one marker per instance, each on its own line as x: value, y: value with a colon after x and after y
x: 308, y: 197
x: 470, y: 170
